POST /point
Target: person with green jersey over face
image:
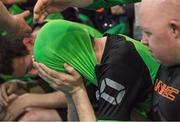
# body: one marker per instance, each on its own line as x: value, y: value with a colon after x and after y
x: 68, y: 56
x: 19, y: 63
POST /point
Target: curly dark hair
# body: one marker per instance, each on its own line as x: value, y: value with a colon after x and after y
x: 10, y: 48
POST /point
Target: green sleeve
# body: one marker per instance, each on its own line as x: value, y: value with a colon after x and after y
x: 108, y: 3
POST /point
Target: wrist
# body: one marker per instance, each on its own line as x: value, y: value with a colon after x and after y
x: 75, y: 91
x: 78, y: 92
x: 78, y: 89
x: 75, y: 95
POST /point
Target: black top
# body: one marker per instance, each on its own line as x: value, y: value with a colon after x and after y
x: 124, y: 80
x: 166, y: 105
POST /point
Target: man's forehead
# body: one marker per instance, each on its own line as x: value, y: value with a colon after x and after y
x: 163, y: 6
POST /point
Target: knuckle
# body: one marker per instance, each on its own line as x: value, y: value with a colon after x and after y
x: 77, y: 77
x: 64, y: 79
x: 58, y: 83
x: 71, y: 69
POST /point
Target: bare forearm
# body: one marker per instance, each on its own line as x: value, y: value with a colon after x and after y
x: 7, y: 23
x: 52, y: 100
x: 72, y: 112
x: 83, y: 106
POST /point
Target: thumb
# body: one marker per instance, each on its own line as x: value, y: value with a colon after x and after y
x: 10, y: 90
x: 25, y: 14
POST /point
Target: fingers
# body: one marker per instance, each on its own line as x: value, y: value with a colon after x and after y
x: 45, y: 12
x: 58, y: 78
x: 52, y: 77
x: 38, y: 8
x: 49, y: 71
x: 45, y: 71
x: 61, y: 81
x: 71, y: 70
x: 42, y: 17
x: 3, y: 101
x: 40, y: 5
x: 54, y: 82
x: 25, y: 14
x: 6, y: 90
x: 43, y: 74
x: 12, y: 97
x: 22, y: 29
x: 4, y: 95
x: 27, y: 28
x: 44, y: 7
x: 12, y: 88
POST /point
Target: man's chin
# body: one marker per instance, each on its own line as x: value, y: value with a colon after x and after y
x: 155, y: 57
x: 165, y: 63
x: 158, y: 60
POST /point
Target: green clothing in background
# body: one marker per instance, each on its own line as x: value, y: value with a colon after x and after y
x: 16, y: 9
x: 121, y: 27
x: 9, y: 77
x: 108, y: 3
x: 61, y: 41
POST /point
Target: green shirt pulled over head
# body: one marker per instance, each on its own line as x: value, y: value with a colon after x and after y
x: 61, y: 41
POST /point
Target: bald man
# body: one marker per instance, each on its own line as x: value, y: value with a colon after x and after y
x: 160, y: 22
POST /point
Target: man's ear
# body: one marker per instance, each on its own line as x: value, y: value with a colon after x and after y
x: 175, y: 28
x: 28, y: 42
